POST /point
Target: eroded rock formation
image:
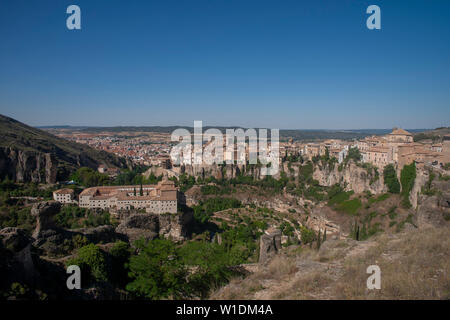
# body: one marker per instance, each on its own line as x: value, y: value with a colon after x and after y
x: 351, y: 176
x: 149, y: 226
x: 270, y: 244
x: 44, y: 213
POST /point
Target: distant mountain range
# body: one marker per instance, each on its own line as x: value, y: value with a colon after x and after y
x: 296, y: 134
x: 31, y: 154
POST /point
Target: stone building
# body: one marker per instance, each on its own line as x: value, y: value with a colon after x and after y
x: 399, y: 135
x: 160, y: 198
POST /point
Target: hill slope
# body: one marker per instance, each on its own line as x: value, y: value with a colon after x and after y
x: 30, y: 154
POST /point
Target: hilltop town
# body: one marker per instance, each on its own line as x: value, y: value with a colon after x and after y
x: 331, y: 201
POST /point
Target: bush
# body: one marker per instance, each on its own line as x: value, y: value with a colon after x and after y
x: 307, y: 235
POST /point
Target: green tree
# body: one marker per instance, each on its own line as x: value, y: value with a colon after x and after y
x: 212, y: 266
x: 353, y: 154
x: 390, y: 179
x: 91, y: 260
x: 89, y: 177
x: 157, y: 272
x: 120, y: 255
x: 407, y: 177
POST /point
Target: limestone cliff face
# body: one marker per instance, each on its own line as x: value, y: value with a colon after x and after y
x: 24, y: 166
x: 434, y: 210
x: 419, y: 182
x: 149, y: 226
x: 352, y: 177
x: 228, y: 171
x: 29, y: 154
x: 175, y: 226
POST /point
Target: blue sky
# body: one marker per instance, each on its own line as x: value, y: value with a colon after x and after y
x: 253, y: 63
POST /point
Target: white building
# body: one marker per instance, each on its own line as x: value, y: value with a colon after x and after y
x: 64, y: 195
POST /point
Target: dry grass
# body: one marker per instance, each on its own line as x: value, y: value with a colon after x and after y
x: 414, y: 265
x: 282, y: 266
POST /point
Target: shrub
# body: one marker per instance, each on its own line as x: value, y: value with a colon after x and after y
x: 307, y: 235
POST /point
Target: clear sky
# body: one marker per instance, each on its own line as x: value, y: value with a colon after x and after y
x: 254, y: 63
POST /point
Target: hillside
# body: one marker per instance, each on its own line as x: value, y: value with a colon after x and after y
x: 414, y: 265
x: 436, y: 135
x: 30, y: 154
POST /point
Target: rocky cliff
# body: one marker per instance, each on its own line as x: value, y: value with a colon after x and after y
x: 149, y: 226
x: 31, y: 155
x: 352, y: 177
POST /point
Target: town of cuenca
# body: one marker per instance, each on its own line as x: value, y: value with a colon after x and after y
x: 321, y: 172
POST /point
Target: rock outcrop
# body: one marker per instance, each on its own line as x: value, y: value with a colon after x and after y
x: 44, y: 213
x: 100, y: 234
x: 420, y: 180
x: 354, y: 178
x: 14, y: 239
x: 139, y: 226
x: 29, y: 154
x: 150, y: 226
x: 434, y: 210
x: 270, y: 244
x: 24, y: 166
x: 175, y: 226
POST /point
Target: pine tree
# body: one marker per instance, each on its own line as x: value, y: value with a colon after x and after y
x: 134, y: 191
x: 324, y: 236
x: 141, y: 191
x: 318, y: 240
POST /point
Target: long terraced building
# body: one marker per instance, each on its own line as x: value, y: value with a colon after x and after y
x: 159, y: 198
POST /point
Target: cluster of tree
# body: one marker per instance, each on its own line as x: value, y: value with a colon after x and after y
x: 240, y: 242
x: 17, y: 216
x: 363, y: 231
x: 10, y: 188
x: 425, y: 136
x: 353, y: 154
x: 185, y: 182
x: 73, y: 217
x: 135, y: 177
x: 293, y: 158
x: 88, y: 177
x: 203, y: 211
x: 157, y: 269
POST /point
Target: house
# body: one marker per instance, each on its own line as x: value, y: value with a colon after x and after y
x: 65, y: 195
